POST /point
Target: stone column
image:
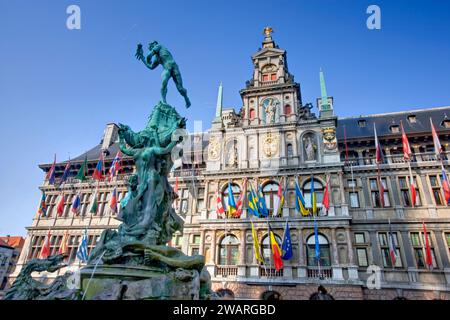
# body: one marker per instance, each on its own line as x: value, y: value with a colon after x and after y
x: 344, y: 205
x: 367, y: 198
x: 202, y: 242
x: 352, y: 267
x: 242, y: 249
x: 301, y: 270
x: 409, y: 256
x: 335, y: 256
x: 396, y: 203
x: 204, y: 212
x: 428, y: 200
x: 337, y: 269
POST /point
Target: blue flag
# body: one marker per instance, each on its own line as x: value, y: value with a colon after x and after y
x: 286, y: 246
x: 262, y: 208
x: 231, y: 202
x: 316, y: 240
x: 82, y: 251
x: 252, y: 203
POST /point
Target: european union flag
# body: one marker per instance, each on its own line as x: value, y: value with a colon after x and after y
x: 286, y: 247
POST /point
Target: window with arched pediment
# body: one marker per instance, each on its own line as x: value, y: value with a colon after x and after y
x: 269, y: 73
x: 236, y: 192
x: 318, y: 189
x: 266, y: 248
x: 324, y: 249
x: 229, y: 250
x: 270, y: 191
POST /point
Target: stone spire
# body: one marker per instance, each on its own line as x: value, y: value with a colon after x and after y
x: 219, y: 104
x: 324, y: 103
x: 323, y: 91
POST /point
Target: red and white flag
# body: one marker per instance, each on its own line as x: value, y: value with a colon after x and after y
x: 428, y: 256
x: 60, y: 207
x: 240, y: 201
x: 405, y: 143
x: 219, y: 206
x: 378, y: 151
x: 115, y: 166
x: 392, y: 251
x: 413, y: 189
x: 436, y: 142
x: 380, y: 189
x: 45, y: 251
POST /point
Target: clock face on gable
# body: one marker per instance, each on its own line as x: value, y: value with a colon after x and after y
x: 271, y: 107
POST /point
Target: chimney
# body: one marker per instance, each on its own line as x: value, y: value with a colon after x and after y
x: 110, y: 135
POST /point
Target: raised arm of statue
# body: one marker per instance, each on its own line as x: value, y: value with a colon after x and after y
x: 152, y: 151
x: 132, y: 138
x: 128, y: 151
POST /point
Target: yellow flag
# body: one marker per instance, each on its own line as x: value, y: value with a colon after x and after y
x: 256, y: 244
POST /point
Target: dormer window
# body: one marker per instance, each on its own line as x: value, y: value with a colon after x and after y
x: 362, y: 123
x: 269, y: 72
x: 412, y: 118
x: 446, y: 123
x: 394, y: 128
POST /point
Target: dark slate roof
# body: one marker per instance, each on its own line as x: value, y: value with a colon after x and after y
x: 94, y: 154
x: 384, y: 121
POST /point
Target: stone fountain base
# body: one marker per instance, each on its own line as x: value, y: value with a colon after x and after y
x: 118, y: 282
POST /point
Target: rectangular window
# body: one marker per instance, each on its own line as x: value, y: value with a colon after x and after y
x: 361, y: 247
x: 196, y: 239
x: 351, y: 183
x: 447, y: 238
x: 384, y: 239
x: 360, y: 238
x: 436, y: 190
x: 362, y: 257
x: 375, y: 193
x: 354, y: 199
x: 195, y: 251
x: 419, y: 247
x: 405, y: 191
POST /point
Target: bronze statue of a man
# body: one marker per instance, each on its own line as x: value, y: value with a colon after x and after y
x: 159, y: 55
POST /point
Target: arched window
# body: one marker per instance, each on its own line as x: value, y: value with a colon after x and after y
x: 270, y: 295
x: 324, y: 246
x: 225, y: 294
x: 287, y: 109
x: 267, y: 250
x: 236, y: 192
x: 289, y: 150
x: 318, y: 189
x: 252, y: 114
x: 270, y: 191
x: 229, y: 250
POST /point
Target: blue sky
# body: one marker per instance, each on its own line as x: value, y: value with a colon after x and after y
x: 59, y: 87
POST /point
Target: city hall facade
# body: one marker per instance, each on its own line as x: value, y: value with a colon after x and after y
x: 274, y: 139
